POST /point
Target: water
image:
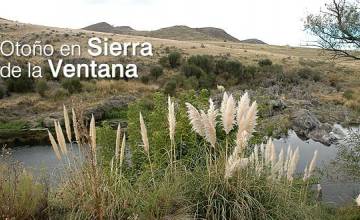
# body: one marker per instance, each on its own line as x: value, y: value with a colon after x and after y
x: 41, y: 159
x: 334, y: 192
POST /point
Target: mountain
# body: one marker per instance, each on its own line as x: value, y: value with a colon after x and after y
x: 101, y: 27
x: 178, y: 32
x: 253, y: 41
x: 217, y: 33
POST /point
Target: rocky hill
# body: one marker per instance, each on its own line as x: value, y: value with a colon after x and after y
x: 178, y: 32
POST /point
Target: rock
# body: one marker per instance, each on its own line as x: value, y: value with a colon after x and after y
x: 307, y: 126
x: 48, y: 122
x: 115, y: 102
x: 304, y: 121
x: 277, y: 104
x: 98, y: 111
x: 338, y: 132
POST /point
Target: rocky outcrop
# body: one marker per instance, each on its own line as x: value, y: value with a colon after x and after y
x: 98, y: 111
x: 307, y: 126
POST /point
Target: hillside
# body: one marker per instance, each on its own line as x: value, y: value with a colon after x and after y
x: 178, y: 32
x: 253, y: 41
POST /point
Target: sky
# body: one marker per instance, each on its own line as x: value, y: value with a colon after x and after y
x: 278, y: 22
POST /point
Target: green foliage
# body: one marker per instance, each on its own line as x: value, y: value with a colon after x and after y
x: 145, y: 79
x: 164, y: 62
x: 106, y: 137
x: 2, y: 92
x: 205, y: 62
x: 170, y: 87
x: 156, y: 72
x: 21, y: 196
x: 174, y: 59
x: 155, y: 116
x: 308, y: 73
x: 265, y: 62
x: 59, y: 94
x: 13, y: 125
x: 72, y: 85
x: 116, y: 113
x: 42, y: 87
x: 348, y: 94
x: 23, y: 84
x: 190, y: 70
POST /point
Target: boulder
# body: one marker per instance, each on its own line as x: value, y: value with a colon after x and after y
x: 307, y: 126
x: 277, y: 104
x: 304, y: 121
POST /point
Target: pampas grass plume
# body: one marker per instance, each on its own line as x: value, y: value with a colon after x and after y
x: 228, y: 111
x: 60, y: 138
x: 117, y: 143
x: 75, y: 125
x: 195, y: 119
x: 171, y: 119
x: 54, y: 146
x: 144, y: 135
x: 67, y: 124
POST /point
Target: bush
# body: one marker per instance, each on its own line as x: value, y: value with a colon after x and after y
x: 205, y: 62
x: 72, y: 85
x: 145, y: 79
x: 41, y: 87
x: 2, y: 92
x: 174, y: 59
x: 164, y: 62
x: 170, y: 87
x: 156, y: 72
x: 59, y: 94
x: 21, y: 196
x: 265, y: 62
x: 308, y: 73
x: 190, y: 70
x: 20, y: 85
x: 348, y: 94
x: 207, y: 81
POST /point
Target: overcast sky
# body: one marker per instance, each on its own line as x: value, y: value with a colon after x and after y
x: 277, y: 22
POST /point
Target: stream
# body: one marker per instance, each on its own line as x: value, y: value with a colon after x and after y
x: 41, y: 160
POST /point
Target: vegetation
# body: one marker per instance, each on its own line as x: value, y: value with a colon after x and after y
x: 42, y: 87
x: 156, y: 72
x: 337, y: 28
x: 174, y: 59
x: 20, y: 85
x: 72, y: 85
x: 22, y: 197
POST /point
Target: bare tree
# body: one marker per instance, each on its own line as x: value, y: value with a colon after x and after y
x: 337, y: 28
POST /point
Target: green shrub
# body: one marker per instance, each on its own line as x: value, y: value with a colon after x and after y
x: 2, y: 92
x: 191, y: 70
x: 164, y: 62
x: 205, y: 62
x: 348, y: 94
x: 207, y: 81
x: 170, y: 87
x: 308, y: 73
x: 21, y: 196
x: 265, y: 62
x: 72, y: 85
x: 145, y: 79
x: 156, y: 72
x: 59, y: 94
x: 174, y: 59
x: 20, y: 85
x: 42, y: 87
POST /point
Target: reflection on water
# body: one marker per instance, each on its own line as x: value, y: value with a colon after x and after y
x: 333, y: 192
x: 43, y: 158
